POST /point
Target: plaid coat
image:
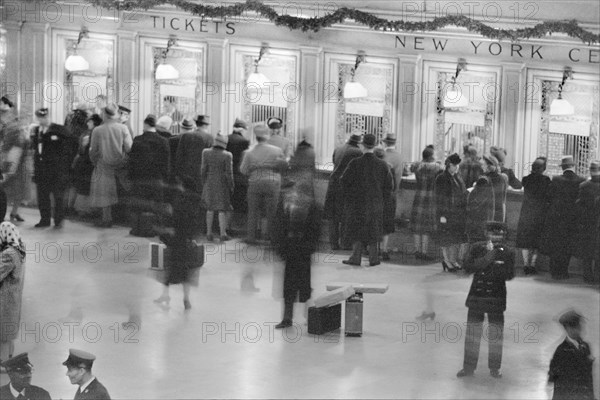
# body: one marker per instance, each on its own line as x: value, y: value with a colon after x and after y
x: 422, y: 219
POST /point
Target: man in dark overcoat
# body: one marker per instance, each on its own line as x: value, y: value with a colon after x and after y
x: 188, y: 162
x: 53, y: 147
x: 366, y: 182
x: 19, y: 371
x: 572, y: 362
x: 334, y: 198
x: 236, y: 145
x: 148, y: 169
x: 560, y: 228
x: 589, y: 192
x: 493, y: 263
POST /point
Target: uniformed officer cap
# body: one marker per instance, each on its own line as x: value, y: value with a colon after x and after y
x: 124, y: 109
x: 19, y: 363
x: 79, y: 358
x: 571, y: 319
x: 496, y: 227
x: 41, y: 112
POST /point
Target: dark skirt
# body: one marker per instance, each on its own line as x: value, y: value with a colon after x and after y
x: 82, y: 175
x: 531, y: 224
x: 422, y: 219
x: 296, y: 278
x: 389, y: 215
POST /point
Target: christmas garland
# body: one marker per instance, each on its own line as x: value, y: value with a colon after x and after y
x: 570, y: 28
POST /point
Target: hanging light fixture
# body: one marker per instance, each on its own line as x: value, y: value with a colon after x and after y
x: 75, y: 62
x: 559, y: 105
x: 353, y: 89
x: 453, y: 98
x: 257, y: 78
x: 166, y: 71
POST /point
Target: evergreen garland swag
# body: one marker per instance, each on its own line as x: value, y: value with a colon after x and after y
x: 570, y: 28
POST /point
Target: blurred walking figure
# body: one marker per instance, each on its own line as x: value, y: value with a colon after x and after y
x: 422, y: 220
x: 389, y: 210
x: 335, y: 201
x: 13, y: 174
x: 533, y: 214
x: 217, y: 184
x: 297, y: 235
x: 12, y: 275
x: 572, y: 363
x: 451, y: 204
x: 393, y: 158
x: 237, y: 143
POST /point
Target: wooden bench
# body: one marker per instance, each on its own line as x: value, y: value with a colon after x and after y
x: 354, y: 304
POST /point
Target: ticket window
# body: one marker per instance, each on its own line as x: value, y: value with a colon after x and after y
x: 575, y: 134
x: 180, y: 97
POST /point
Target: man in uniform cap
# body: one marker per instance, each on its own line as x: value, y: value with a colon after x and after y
x: 334, y: 198
x: 572, y: 362
x: 19, y: 371
x: 53, y: 147
x: 493, y: 263
x: 124, y: 117
x: 275, y: 124
x: 79, y: 370
x: 366, y: 184
x: 560, y: 231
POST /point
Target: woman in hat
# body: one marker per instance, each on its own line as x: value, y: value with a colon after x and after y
x: 422, y: 221
x: 500, y: 155
x: 82, y: 166
x: 15, y: 144
x: 533, y: 213
x: 217, y: 185
x: 470, y: 168
x: 451, y: 203
x: 12, y: 273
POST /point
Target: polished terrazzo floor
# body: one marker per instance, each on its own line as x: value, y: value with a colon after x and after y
x: 226, y: 347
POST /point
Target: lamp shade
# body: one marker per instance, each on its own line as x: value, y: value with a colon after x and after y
x: 561, y: 106
x: 454, y: 98
x: 256, y: 78
x: 354, y: 90
x: 75, y: 63
x: 166, y: 71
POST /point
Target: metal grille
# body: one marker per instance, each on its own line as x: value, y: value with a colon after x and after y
x: 579, y: 148
x: 459, y: 135
x: 364, y: 124
x: 261, y: 113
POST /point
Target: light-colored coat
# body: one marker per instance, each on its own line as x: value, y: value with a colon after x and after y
x: 12, y: 273
x: 217, y: 179
x: 111, y: 142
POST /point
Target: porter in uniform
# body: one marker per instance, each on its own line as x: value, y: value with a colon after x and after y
x: 19, y: 371
x: 79, y: 370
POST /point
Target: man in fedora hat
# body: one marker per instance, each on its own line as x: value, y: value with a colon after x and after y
x: 393, y: 158
x: 79, y: 370
x: 110, y: 144
x: 188, y: 163
x: 367, y: 182
x: 19, y: 371
x: 589, y: 192
x: 560, y: 230
x: 572, y: 362
x: 275, y: 125
x: 334, y: 198
x: 125, y: 118
x: 493, y: 263
x: 238, y: 143
x: 53, y: 147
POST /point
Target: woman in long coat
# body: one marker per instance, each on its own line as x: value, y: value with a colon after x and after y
x: 487, y: 201
x: 217, y: 185
x: 533, y: 213
x: 82, y: 166
x: 12, y: 273
x: 422, y: 221
x: 451, y: 204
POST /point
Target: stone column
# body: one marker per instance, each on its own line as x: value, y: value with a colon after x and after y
x: 311, y: 99
x: 127, y: 85
x: 214, y: 76
x: 512, y: 119
x: 409, y: 105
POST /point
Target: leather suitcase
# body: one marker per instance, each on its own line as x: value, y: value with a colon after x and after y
x: 334, y: 296
x: 159, y: 258
x: 324, y: 319
x: 354, y: 316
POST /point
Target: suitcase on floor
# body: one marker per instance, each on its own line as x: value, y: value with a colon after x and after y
x: 159, y: 258
x: 324, y: 319
x: 354, y: 315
